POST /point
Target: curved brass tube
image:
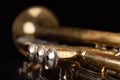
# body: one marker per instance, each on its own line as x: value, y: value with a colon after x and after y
x: 93, y: 59
x: 37, y: 34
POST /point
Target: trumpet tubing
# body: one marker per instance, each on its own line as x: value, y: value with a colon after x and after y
x: 38, y: 36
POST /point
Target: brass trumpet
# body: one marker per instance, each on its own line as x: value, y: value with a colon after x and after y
x: 74, y: 51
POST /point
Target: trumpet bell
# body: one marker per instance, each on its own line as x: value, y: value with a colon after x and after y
x: 30, y: 20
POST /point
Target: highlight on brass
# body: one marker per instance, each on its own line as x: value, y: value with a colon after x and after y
x: 73, y: 52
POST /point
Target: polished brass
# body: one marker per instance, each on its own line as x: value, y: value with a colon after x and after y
x: 24, y: 42
x: 87, y: 57
x: 39, y: 26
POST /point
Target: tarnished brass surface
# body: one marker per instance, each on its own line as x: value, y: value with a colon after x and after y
x: 86, y: 56
x: 81, y: 35
x: 66, y: 46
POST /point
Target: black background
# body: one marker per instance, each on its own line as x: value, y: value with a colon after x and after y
x: 93, y: 15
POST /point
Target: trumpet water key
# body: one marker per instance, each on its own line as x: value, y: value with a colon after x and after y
x: 75, y: 52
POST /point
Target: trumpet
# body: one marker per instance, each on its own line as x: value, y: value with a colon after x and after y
x: 76, y: 53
